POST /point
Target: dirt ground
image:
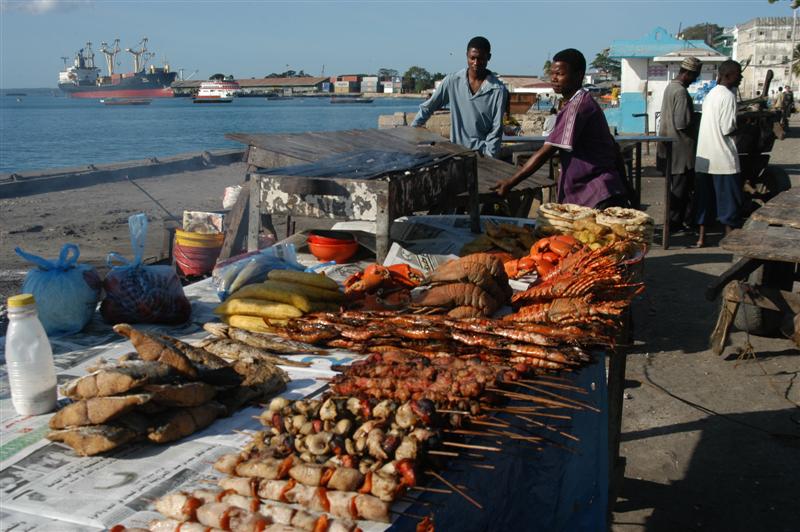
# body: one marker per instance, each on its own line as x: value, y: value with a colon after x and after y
x: 711, y: 443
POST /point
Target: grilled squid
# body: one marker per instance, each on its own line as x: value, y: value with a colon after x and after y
x: 319, y: 443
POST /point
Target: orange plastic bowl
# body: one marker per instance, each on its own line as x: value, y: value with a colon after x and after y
x: 329, y: 237
x: 338, y: 252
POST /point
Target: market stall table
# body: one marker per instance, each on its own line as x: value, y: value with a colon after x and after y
x: 45, y: 485
x: 376, y: 186
x: 770, y: 239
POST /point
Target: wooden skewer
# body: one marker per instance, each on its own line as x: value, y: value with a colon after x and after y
x: 475, y: 455
x: 561, y: 398
x: 548, y: 427
x: 406, y: 514
x: 469, y: 446
x: 443, y: 453
x: 454, y: 488
x: 489, y: 424
x: 462, y: 412
x: 432, y: 490
x: 514, y: 436
x: 560, y: 386
x: 548, y: 377
x: 532, y: 412
x: 514, y: 409
x: 483, y: 466
x: 533, y: 398
x: 412, y: 500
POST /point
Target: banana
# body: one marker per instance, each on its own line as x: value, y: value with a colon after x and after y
x: 304, y: 278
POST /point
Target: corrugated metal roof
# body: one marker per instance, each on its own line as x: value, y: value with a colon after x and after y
x: 518, y: 81
x: 658, y: 42
x: 538, y: 85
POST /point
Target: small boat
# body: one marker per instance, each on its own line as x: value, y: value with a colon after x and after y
x: 126, y: 101
x: 216, y: 92
x: 340, y: 99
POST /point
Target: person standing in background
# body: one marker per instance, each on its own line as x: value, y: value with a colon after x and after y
x: 719, y: 181
x: 787, y: 107
x: 549, y: 122
x: 679, y: 121
x: 477, y: 101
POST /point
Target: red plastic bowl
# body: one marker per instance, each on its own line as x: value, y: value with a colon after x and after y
x: 330, y: 237
x: 339, y: 252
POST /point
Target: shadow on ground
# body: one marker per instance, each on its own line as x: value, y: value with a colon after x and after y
x: 742, y: 476
x: 673, y: 314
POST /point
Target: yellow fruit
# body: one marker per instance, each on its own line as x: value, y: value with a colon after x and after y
x: 274, y: 291
x: 311, y: 279
x: 258, y: 307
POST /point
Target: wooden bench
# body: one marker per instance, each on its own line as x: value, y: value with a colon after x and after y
x: 769, y: 240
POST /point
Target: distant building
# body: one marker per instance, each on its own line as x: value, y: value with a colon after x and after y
x: 515, y: 83
x: 764, y: 43
x: 648, y: 65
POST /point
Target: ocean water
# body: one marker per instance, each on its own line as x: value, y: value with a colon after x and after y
x: 44, y: 131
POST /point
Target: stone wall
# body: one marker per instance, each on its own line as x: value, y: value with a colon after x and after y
x: 532, y: 122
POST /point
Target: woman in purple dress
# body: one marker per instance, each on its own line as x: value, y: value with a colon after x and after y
x: 589, y: 174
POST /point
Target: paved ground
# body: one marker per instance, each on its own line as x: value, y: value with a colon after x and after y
x: 711, y: 443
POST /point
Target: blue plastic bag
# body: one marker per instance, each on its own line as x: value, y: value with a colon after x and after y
x: 66, y: 292
x: 137, y: 293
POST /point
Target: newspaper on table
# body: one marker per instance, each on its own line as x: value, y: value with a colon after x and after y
x: 45, y: 486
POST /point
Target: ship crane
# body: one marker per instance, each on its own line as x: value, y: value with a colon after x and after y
x: 110, y: 54
x: 140, y: 56
x: 89, y: 55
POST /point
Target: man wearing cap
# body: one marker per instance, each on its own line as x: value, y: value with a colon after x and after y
x: 678, y: 120
x: 477, y: 101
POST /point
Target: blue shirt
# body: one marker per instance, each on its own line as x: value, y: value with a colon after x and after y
x: 476, y: 120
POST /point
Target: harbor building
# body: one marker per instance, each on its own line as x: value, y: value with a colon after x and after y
x: 764, y: 43
x: 647, y: 66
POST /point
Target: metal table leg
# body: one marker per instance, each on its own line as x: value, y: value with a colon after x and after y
x: 667, y: 189
x: 637, y: 175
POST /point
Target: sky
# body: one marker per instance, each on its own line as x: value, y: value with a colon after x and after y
x: 254, y: 38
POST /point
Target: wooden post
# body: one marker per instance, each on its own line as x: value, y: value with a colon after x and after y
x: 254, y: 216
x: 720, y: 333
x: 471, y: 171
x: 237, y: 224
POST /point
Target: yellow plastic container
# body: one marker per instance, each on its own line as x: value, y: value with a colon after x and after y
x: 196, y: 253
x: 199, y: 240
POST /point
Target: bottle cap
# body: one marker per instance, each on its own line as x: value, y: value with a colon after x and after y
x: 21, y: 300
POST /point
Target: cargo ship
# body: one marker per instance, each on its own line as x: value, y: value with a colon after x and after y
x: 83, y: 78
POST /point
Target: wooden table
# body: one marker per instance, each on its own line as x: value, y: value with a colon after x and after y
x: 771, y: 240
x: 276, y: 150
x: 359, y: 188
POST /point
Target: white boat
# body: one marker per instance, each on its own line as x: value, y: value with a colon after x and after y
x: 216, y: 92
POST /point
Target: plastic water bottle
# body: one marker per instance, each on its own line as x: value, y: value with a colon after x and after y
x: 29, y: 358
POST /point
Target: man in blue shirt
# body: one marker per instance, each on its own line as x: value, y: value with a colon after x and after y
x: 477, y: 101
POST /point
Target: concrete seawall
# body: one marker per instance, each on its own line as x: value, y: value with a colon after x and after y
x: 37, y: 182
